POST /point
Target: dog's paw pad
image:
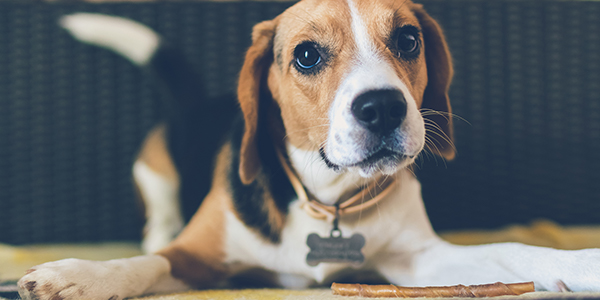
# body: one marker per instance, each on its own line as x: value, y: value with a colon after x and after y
x: 33, y: 290
x: 51, y: 281
x: 69, y: 279
x: 29, y: 286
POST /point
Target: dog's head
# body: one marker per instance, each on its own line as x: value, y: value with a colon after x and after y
x: 363, y: 82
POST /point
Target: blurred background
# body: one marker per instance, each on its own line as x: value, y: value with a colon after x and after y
x: 72, y: 116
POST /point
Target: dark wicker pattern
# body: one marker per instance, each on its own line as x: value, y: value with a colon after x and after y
x: 72, y: 116
x: 528, y: 82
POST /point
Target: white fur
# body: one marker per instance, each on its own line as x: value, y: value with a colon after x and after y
x: 446, y: 264
x: 113, y: 279
x: 163, y: 214
x: 322, y: 182
x: 131, y: 39
x: 366, y: 48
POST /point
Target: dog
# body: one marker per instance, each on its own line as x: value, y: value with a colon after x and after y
x: 337, y: 98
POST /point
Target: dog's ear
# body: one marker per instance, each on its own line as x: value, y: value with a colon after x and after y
x: 436, y: 103
x: 257, y: 62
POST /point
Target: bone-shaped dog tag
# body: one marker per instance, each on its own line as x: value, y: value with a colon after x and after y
x: 335, y: 249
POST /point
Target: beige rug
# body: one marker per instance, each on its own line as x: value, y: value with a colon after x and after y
x: 14, y: 261
x: 325, y: 294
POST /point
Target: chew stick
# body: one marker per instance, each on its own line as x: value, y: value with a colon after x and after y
x: 484, y: 290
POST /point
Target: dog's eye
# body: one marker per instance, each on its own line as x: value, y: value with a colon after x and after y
x: 407, y: 41
x: 307, y: 56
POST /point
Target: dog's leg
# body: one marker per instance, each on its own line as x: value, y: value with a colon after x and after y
x: 113, y: 279
x: 446, y: 264
x: 158, y: 184
x: 163, y: 217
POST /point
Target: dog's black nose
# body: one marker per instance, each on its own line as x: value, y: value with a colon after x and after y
x: 380, y: 111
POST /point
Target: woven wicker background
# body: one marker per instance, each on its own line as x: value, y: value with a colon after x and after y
x: 72, y: 116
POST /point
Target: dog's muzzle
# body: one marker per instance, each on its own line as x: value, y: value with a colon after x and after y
x: 373, y: 135
x: 380, y: 111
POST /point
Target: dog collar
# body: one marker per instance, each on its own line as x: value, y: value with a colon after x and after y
x: 364, y: 199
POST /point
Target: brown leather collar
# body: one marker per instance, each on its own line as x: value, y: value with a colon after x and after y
x: 364, y: 199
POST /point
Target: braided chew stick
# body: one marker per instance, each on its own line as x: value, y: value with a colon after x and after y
x: 484, y: 290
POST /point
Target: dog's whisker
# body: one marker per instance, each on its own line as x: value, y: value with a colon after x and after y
x: 435, y: 151
x: 442, y: 136
x: 431, y: 144
x: 411, y: 171
x: 445, y: 114
x: 433, y: 128
x: 420, y: 159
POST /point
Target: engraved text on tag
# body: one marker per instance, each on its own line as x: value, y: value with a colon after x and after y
x: 335, y: 249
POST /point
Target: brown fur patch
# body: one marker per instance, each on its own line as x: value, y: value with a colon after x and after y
x: 305, y: 100
x: 276, y: 218
x: 197, y: 254
x: 258, y: 58
x: 30, y: 285
x: 29, y: 271
x: 45, y: 289
x: 155, y: 154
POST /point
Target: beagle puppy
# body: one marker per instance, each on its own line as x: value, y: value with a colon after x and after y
x: 337, y: 99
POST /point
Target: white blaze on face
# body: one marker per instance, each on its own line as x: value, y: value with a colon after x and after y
x: 348, y: 142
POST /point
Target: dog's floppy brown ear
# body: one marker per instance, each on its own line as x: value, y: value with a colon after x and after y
x: 258, y: 59
x: 436, y: 103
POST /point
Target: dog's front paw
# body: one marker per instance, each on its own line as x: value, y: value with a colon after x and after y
x: 66, y: 279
